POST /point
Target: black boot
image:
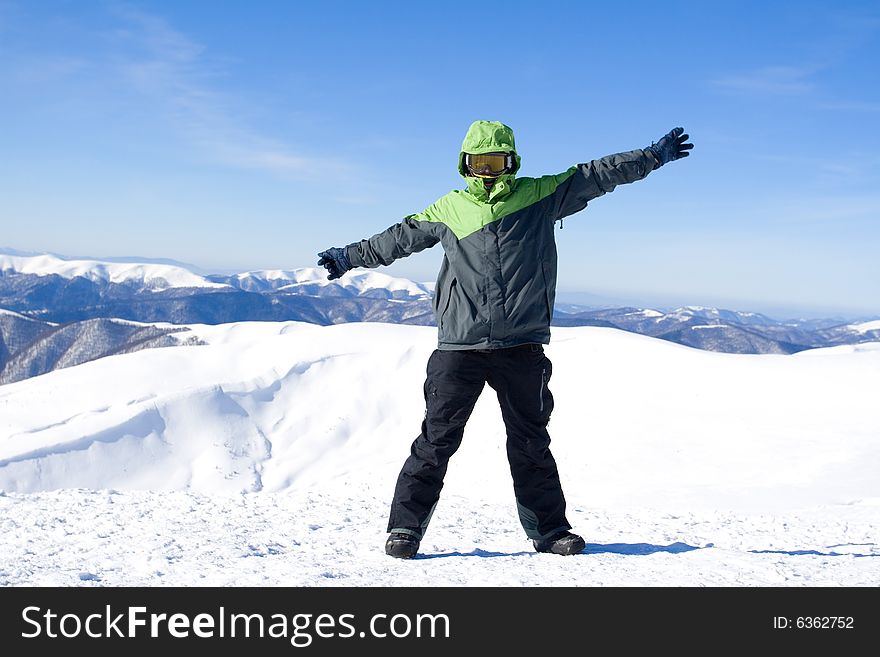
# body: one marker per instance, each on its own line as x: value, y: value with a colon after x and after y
x: 402, y: 546
x: 562, y: 543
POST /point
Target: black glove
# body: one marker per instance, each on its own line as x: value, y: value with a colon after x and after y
x: 336, y: 261
x: 671, y: 146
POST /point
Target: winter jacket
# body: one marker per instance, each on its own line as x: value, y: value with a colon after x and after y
x: 497, y: 282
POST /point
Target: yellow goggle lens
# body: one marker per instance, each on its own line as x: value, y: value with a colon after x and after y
x: 487, y: 163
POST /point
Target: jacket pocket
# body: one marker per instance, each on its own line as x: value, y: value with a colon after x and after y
x: 442, y: 316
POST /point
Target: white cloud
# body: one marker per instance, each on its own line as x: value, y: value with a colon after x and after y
x: 772, y: 80
x: 178, y: 74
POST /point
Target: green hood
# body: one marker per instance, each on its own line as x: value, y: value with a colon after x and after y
x: 488, y: 137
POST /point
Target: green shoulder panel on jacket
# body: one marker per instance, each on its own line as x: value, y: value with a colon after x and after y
x: 464, y: 214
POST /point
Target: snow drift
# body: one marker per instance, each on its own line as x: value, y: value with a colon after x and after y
x: 273, y: 406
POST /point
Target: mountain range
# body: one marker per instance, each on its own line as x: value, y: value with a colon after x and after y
x: 59, y: 311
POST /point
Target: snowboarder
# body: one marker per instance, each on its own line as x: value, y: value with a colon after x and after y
x: 493, y: 304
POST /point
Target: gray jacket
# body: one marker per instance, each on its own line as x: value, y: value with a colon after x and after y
x: 497, y: 284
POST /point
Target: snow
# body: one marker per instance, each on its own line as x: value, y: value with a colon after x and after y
x: 154, y: 276
x: 357, y: 281
x: 864, y: 327
x: 644, y: 313
x: 289, y: 275
x: 160, y: 276
x: 283, y: 441
x: 12, y: 313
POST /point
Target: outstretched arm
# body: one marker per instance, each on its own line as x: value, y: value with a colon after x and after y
x: 590, y: 180
x: 398, y: 241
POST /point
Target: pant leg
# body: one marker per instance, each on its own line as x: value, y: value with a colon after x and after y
x: 453, y: 385
x: 520, y: 378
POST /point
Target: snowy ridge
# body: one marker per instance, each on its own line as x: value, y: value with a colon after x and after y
x: 313, y: 280
x: 720, y: 314
x: 865, y: 327
x: 362, y: 281
x: 649, y: 312
x: 156, y: 277
x: 12, y: 313
x: 151, y: 276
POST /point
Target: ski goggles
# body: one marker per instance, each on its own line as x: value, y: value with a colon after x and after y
x: 488, y: 165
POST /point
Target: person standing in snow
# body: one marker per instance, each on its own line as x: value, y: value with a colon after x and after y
x: 493, y: 304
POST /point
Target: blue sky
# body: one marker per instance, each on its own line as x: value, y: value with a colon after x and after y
x: 251, y: 135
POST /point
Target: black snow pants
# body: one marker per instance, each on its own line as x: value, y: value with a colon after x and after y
x: 455, y: 379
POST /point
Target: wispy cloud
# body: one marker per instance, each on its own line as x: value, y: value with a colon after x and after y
x: 834, y: 175
x: 823, y: 209
x: 34, y: 70
x: 850, y: 106
x: 842, y: 36
x: 179, y: 76
x: 774, y: 80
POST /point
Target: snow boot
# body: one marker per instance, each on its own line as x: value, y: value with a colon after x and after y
x: 402, y: 546
x: 562, y: 543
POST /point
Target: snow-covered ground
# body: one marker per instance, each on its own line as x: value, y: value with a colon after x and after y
x: 268, y: 457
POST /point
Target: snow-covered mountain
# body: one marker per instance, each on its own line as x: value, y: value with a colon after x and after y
x: 728, y: 331
x: 153, y: 277
x: 866, y: 327
x: 30, y: 347
x: 283, y: 441
x: 721, y: 315
x: 312, y: 281
x: 141, y: 276
x: 58, y: 290
x: 80, y: 309
x: 67, y: 291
